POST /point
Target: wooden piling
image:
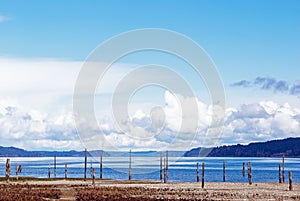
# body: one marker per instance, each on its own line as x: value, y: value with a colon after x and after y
x: 91, y: 168
x: 202, y: 175
x: 66, y: 171
x: 54, y: 171
x: 197, y: 172
x: 282, y: 168
x: 101, y: 166
x: 224, y: 171
x: 7, y: 172
x: 17, y: 171
x: 129, y: 170
x: 280, y: 173
x: 165, y: 172
x: 290, y: 181
x: 49, y: 171
x: 160, y: 168
x: 243, y: 170
x: 85, y: 163
x: 250, y: 172
x: 167, y: 164
x: 93, y: 175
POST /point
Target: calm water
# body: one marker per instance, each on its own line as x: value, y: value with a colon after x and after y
x: 184, y: 169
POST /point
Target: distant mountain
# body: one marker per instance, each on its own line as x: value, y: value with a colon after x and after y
x: 145, y: 154
x: 16, y: 152
x: 290, y: 147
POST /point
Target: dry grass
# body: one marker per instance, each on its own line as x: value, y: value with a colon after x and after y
x: 16, y: 192
x: 79, y: 190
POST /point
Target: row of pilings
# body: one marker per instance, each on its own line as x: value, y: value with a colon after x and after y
x: 163, y: 173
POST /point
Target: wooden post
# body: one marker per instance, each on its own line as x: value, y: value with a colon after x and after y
x: 243, y: 170
x: 66, y: 171
x: 49, y: 171
x: 290, y: 181
x: 250, y: 173
x: 129, y: 171
x: 197, y: 172
x: 101, y: 166
x: 202, y: 175
x: 17, y: 171
x: 85, y: 163
x: 160, y: 168
x: 282, y: 168
x: 93, y: 175
x: 91, y: 169
x: 167, y: 164
x: 224, y: 171
x: 280, y: 175
x: 54, y: 165
x: 165, y: 172
x: 7, y: 173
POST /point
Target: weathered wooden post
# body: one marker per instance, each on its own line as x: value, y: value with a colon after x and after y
x: 85, y: 163
x: 197, y: 172
x: 202, y: 175
x: 165, y: 172
x: 129, y: 170
x: 17, y: 171
x: 91, y: 169
x: 279, y: 175
x: 7, y: 172
x: 49, y: 171
x: 54, y: 172
x: 101, y: 166
x: 93, y: 175
x: 282, y: 168
x: 167, y: 164
x: 250, y: 173
x: 66, y: 171
x: 224, y: 171
x: 243, y: 170
x: 160, y: 168
x: 290, y: 181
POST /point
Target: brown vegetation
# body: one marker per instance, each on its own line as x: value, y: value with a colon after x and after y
x: 20, y: 192
x: 111, y: 190
x: 150, y: 194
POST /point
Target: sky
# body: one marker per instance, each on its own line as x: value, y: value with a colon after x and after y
x: 255, y: 46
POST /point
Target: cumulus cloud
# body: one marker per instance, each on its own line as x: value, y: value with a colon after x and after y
x: 269, y: 83
x: 261, y: 121
x: 32, y: 129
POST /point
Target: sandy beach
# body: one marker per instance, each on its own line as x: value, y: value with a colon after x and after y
x: 143, y: 190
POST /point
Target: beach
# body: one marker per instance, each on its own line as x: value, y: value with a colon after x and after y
x: 77, y: 189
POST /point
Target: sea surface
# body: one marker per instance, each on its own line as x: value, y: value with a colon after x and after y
x: 180, y: 169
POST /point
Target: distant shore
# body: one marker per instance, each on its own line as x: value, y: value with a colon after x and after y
x: 78, y: 189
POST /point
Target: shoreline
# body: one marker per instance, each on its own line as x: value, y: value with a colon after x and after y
x: 78, y: 189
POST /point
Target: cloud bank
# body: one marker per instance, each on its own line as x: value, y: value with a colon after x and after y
x: 31, y: 129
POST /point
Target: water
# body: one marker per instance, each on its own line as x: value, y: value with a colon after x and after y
x: 182, y: 170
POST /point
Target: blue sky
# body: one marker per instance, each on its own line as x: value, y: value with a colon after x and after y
x: 245, y: 39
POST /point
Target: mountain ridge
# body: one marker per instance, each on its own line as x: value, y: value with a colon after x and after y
x: 290, y: 147
x: 274, y: 148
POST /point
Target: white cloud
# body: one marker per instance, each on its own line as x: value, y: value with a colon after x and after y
x: 32, y: 129
x: 31, y: 88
